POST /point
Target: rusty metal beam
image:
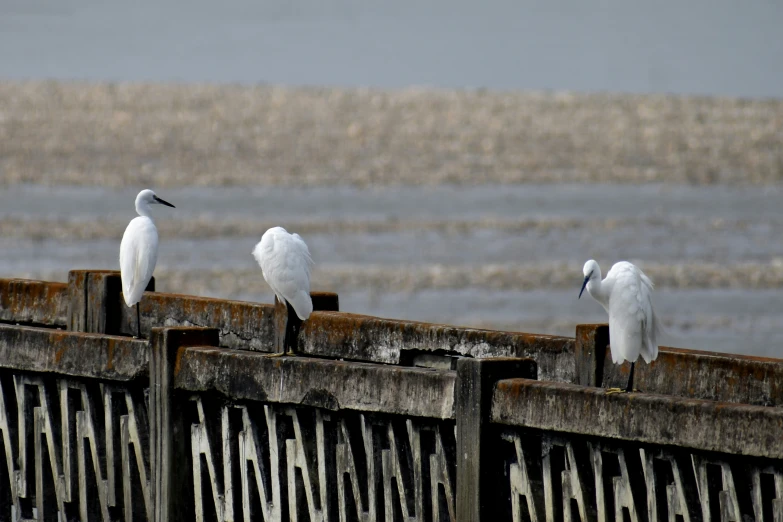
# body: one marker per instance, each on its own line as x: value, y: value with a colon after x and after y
x: 70, y: 353
x: 31, y: 302
x: 656, y: 419
x: 335, y: 385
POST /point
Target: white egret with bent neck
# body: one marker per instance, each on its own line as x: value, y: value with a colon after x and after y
x: 626, y: 295
x: 286, y: 264
x: 139, y: 251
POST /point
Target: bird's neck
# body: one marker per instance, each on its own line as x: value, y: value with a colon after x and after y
x: 143, y: 209
x: 598, y: 289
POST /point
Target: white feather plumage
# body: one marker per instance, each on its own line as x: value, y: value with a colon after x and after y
x: 286, y: 265
x: 626, y: 294
x: 138, y: 256
x: 139, y: 248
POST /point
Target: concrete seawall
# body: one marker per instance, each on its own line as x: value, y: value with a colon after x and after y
x: 372, y: 417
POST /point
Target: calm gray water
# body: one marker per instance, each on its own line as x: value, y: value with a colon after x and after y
x: 409, y: 233
x: 702, y: 46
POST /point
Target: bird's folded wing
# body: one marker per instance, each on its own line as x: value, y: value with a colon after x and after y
x: 138, y: 256
x: 627, y: 315
x: 286, y: 264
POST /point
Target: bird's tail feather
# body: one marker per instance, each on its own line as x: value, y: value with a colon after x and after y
x: 650, y: 346
x: 303, y: 305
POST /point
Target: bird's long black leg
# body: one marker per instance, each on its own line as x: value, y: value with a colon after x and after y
x: 138, y: 321
x: 291, y: 330
x: 629, y: 387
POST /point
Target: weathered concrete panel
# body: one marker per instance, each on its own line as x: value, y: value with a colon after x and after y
x: 33, y: 302
x: 703, y: 375
x: 590, y: 345
x: 93, y: 300
x: 658, y: 419
x: 70, y: 445
x: 168, y: 452
x: 322, y: 301
x: 326, y: 384
x: 477, y: 457
x: 319, y: 465
x: 241, y: 324
x: 683, y: 373
x: 73, y: 354
x: 366, y: 338
x: 251, y: 326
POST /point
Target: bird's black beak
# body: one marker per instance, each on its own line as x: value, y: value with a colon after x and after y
x: 156, y: 198
x: 584, y: 285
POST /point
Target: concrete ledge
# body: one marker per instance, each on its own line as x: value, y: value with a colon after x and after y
x: 655, y: 419
x: 75, y: 354
x: 362, y: 337
x: 244, y: 325
x: 33, y: 302
x: 334, y: 385
x: 703, y: 375
x: 251, y: 326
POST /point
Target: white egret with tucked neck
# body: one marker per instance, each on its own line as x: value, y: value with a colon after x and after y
x: 626, y: 295
x: 286, y: 264
x: 139, y: 251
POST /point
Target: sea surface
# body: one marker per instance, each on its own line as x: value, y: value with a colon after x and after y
x: 505, y: 257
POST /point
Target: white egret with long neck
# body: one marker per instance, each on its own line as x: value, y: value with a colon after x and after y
x: 139, y: 251
x: 626, y: 295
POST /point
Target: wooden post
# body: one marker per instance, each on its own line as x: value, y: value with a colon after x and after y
x: 322, y: 302
x: 94, y: 296
x: 589, y: 351
x: 477, y: 454
x: 172, y: 497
